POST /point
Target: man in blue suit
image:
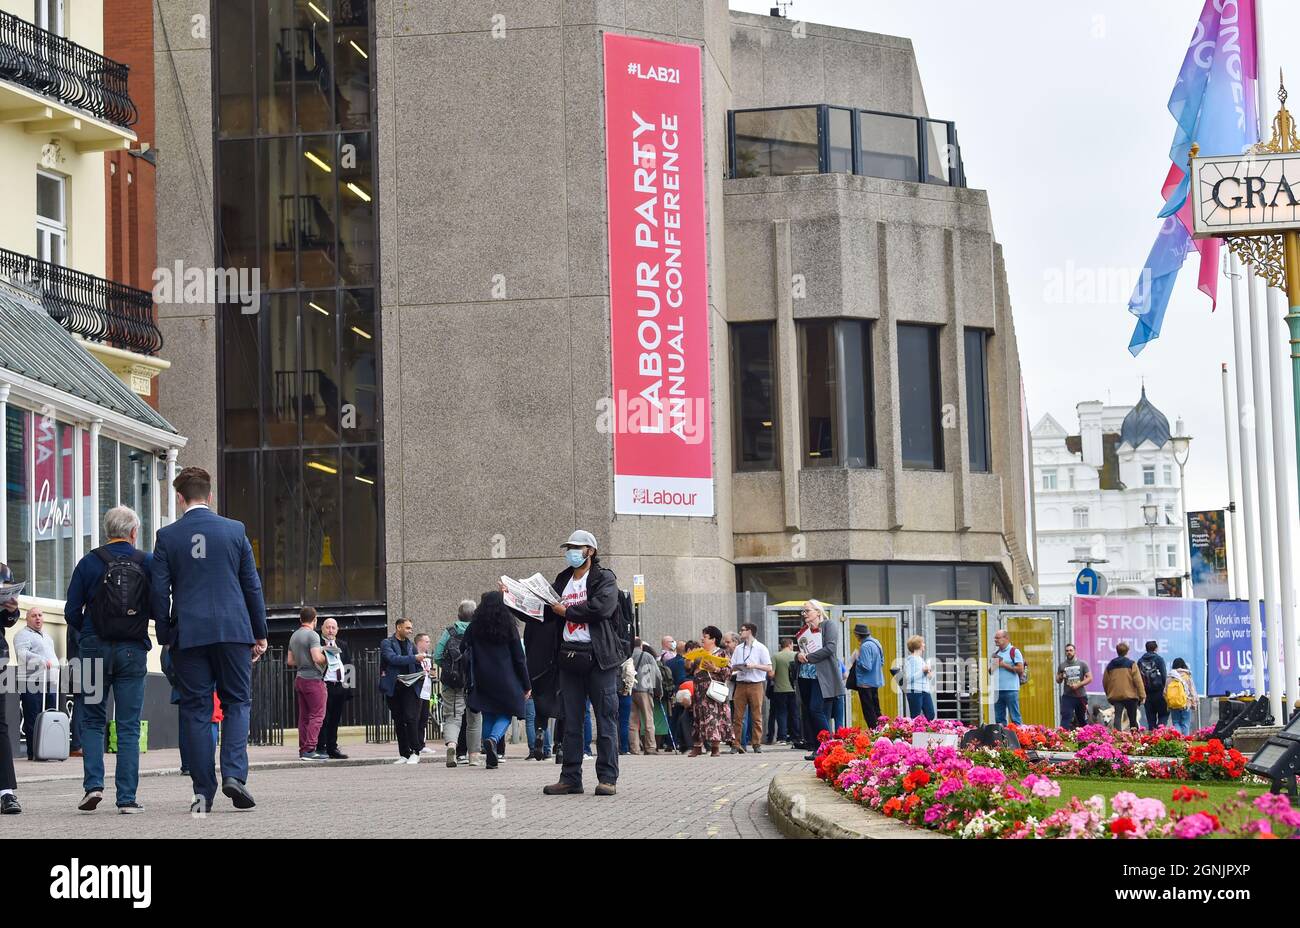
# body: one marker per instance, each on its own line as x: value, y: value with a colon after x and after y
x: 207, y: 604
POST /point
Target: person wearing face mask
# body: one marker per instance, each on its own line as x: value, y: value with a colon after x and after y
x: 9, y: 616
x: 588, y: 653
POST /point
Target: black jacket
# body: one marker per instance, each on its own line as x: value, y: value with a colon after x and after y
x: 498, y: 675
x: 598, y: 612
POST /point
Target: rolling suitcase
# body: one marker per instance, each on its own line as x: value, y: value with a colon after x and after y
x: 52, y: 734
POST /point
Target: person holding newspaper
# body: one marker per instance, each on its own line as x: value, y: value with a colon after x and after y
x: 589, y: 653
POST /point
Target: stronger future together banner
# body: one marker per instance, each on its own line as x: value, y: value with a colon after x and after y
x: 658, y: 278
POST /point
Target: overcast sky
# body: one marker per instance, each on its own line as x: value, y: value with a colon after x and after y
x: 1061, y: 112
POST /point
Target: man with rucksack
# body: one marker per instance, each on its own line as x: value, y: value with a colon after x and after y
x: 1009, y: 671
x: 453, y: 670
x: 109, y: 605
x: 1155, y: 674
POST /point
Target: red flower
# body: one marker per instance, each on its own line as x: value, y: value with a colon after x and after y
x: 915, y: 780
x: 1122, y: 826
x: 891, y: 806
x: 1189, y: 793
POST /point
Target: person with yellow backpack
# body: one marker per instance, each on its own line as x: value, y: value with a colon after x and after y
x: 1180, y: 696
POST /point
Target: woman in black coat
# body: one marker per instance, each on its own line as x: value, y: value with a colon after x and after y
x: 498, y: 675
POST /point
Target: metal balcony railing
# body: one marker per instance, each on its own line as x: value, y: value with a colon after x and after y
x: 60, y: 68
x: 97, y: 309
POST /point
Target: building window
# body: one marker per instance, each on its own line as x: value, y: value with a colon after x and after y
x: 919, y: 397
x: 17, y: 489
x: 1169, y: 514
x: 753, y: 396
x: 1151, y: 557
x: 977, y: 401
x: 1049, y: 479
x: 51, y: 218
x: 1070, y: 474
x: 1171, y: 555
x: 1148, y: 475
x: 49, y: 16
x: 1080, y: 517
x: 1082, y: 554
x: 1169, y: 475
x: 769, y: 143
x: 839, y: 140
x: 888, y: 147
x: 838, y: 419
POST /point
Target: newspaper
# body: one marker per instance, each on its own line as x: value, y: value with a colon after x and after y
x: 529, y: 597
x: 10, y: 590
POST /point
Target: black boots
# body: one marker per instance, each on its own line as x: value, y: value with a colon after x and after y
x: 490, y: 753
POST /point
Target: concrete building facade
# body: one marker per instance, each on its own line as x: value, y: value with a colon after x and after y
x: 482, y: 167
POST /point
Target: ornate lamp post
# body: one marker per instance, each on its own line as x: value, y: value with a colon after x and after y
x: 1182, y: 449
x: 1151, y: 515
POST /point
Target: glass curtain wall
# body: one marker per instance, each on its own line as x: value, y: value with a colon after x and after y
x: 299, y: 419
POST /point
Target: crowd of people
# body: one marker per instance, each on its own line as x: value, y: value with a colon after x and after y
x: 579, y: 672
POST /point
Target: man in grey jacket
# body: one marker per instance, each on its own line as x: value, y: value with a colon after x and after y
x: 34, y: 649
x: 826, y: 660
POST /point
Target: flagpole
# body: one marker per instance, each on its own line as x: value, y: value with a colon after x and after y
x: 1282, y: 450
x: 1236, y: 554
x: 1250, y: 513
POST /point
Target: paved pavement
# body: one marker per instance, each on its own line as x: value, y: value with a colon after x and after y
x: 664, y: 796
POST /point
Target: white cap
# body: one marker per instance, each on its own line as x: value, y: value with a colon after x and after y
x: 580, y: 539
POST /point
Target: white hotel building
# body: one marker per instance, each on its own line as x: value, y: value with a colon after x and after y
x: 1094, y: 493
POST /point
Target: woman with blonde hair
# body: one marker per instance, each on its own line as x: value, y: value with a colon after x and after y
x: 918, y: 680
x: 820, y: 680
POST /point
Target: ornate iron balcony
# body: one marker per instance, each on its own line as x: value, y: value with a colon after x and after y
x: 97, y: 309
x: 60, y: 68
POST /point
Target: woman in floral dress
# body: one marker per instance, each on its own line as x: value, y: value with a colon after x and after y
x: 712, y: 718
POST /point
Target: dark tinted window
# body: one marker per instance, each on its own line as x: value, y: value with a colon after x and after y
x: 977, y: 400
x: 839, y: 140
x: 918, y: 397
x: 754, y: 396
x: 776, y: 142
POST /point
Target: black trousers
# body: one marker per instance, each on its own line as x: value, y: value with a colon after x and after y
x: 422, y: 726
x: 1157, y: 710
x: 809, y: 689
x: 869, y: 700
x: 1074, y: 710
x: 600, y: 686
x: 7, y: 778
x: 1126, y: 705
x: 404, y: 705
x: 335, y: 697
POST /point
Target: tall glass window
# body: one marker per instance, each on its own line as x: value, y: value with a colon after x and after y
x: 887, y: 146
x: 977, y: 400
x: 838, y: 424
x: 300, y: 403
x: 17, y: 489
x: 920, y: 419
x: 839, y: 140
x: 753, y: 395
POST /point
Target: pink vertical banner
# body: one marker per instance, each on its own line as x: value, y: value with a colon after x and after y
x: 658, y: 278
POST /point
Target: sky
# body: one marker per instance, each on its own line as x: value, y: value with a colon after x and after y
x: 1061, y: 114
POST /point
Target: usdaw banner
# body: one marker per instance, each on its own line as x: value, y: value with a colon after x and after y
x: 658, y: 278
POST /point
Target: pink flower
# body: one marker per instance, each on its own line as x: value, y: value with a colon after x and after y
x: 1194, y: 826
x: 948, y: 787
x: 1274, y: 804
x: 986, y: 777
x: 935, y: 812
x: 1261, y: 825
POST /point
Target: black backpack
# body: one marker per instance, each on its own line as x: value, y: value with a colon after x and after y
x: 453, y: 668
x: 625, y: 622
x: 120, y: 607
x: 1153, y: 678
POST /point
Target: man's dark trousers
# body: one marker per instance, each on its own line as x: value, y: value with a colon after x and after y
x: 226, y: 667
x: 1074, y: 711
x: 335, y: 697
x: 600, y: 686
x: 869, y: 700
x: 404, y: 704
x: 1157, y: 710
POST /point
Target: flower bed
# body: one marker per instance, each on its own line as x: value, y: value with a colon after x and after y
x: 990, y: 794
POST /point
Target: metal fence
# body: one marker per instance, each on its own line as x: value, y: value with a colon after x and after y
x: 275, y: 708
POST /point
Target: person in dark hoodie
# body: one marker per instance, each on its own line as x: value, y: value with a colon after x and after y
x: 9, y: 615
x: 1155, y: 674
x: 1123, y: 685
x: 498, y: 675
x: 587, y: 655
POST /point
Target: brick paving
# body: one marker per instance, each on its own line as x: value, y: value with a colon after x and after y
x: 664, y: 796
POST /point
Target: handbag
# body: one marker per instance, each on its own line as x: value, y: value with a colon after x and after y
x: 852, y: 682
x: 718, y: 691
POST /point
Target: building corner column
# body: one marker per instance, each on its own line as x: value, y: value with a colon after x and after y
x: 171, y: 479
x: 787, y: 354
